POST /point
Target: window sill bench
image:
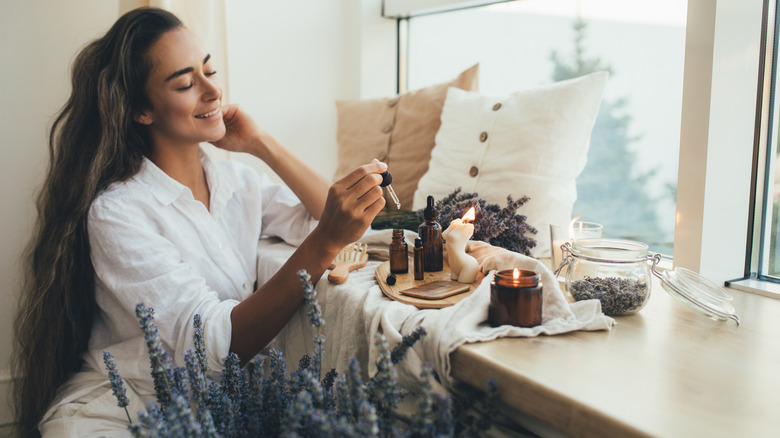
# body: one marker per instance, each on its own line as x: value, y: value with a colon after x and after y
x: 666, y: 371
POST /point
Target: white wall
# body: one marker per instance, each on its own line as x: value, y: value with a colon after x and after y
x: 37, y: 43
x: 289, y: 61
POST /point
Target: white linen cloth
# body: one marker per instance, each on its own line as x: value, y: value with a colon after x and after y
x: 356, y: 310
x: 152, y: 242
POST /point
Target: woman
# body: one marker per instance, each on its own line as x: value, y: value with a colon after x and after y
x: 133, y: 211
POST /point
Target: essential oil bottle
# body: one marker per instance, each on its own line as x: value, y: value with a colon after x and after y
x: 419, y: 260
x: 399, y: 253
x: 432, y: 242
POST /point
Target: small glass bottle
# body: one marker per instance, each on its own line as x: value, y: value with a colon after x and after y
x: 433, y: 244
x: 515, y: 299
x: 399, y: 253
x: 419, y: 260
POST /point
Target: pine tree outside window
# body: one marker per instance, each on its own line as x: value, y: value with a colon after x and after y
x: 629, y: 184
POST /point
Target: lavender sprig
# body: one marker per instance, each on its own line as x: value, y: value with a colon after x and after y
x: 117, y: 384
x: 315, y: 320
x: 384, y: 390
x: 200, y: 345
x: 406, y: 343
x: 197, y: 379
x: 159, y: 359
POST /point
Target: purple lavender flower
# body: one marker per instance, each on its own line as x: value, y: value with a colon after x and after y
x: 315, y: 320
x: 501, y: 227
x: 158, y: 357
x: 422, y: 420
x: 152, y: 420
x: 196, y: 378
x: 367, y: 420
x: 406, y: 343
x: 117, y: 385
x: 383, y: 388
x: 178, y: 416
x: 255, y: 406
x: 200, y: 346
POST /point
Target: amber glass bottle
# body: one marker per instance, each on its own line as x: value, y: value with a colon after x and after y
x: 419, y: 260
x: 432, y: 242
x: 399, y: 253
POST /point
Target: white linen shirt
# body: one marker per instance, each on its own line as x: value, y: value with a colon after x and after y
x: 151, y: 242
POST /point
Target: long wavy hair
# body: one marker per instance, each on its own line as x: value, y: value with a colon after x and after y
x: 93, y: 142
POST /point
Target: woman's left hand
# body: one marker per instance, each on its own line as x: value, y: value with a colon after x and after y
x: 241, y: 132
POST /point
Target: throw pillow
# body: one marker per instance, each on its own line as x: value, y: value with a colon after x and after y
x: 399, y: 131
x: 532, y: 143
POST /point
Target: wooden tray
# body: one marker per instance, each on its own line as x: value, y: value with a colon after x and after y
x: 405, y: 281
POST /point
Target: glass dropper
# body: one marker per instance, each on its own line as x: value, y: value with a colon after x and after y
x: 386, y: 180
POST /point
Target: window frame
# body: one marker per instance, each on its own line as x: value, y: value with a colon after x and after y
x: 721, y: 129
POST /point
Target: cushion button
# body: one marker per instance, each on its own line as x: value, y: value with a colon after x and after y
x: 473, y: 171
x: 496, y: 107
x: 483, y: 136
x: 387, y: 129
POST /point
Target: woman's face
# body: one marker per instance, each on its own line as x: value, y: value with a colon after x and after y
x: 183, y: 91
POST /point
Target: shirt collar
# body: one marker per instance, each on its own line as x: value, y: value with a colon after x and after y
x: 222, y: 184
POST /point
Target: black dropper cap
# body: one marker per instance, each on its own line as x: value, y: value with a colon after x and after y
x: 387, y: 179
x: 430, y: 212
x: 391, y: 279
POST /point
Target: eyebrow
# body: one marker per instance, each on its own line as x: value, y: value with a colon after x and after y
x: 183, y: 71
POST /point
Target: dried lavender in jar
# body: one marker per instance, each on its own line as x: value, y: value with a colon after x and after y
x: 617, y: 295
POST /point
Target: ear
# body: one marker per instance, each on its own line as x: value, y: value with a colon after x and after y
x: 142, y: 118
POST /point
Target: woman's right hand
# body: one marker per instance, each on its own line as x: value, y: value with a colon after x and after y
x: 351, y: 205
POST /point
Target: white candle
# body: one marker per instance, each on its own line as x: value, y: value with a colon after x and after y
x: 463, y: 267
x: 557, y: 254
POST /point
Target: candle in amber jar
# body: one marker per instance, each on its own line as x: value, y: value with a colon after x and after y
x: 515, y: 299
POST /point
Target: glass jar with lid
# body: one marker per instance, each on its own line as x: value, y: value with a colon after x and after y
x: 613, y: 271
x: 617, y: 273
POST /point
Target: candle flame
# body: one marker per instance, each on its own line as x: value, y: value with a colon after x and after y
x: 571, y: 226
x: 470, y: 215
x: 516, y: 274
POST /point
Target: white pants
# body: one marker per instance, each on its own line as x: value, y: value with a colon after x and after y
x: 93, y: 415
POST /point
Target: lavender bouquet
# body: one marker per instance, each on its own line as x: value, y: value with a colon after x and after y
x: 248, y: 403
x: 495, y: 225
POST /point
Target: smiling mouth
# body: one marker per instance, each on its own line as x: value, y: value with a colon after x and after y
x: 208, y: 114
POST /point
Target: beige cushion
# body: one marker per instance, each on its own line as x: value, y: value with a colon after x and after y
x: 399, y: 131
x: 535, y: 144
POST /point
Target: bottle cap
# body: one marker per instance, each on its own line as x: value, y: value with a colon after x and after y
x: 418, y: 243
x: 391, y: 279
x: 430, y: 212
x: 387, y: 179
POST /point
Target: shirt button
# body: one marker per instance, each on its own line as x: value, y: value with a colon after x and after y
x: 393, y: 102
x: 473, y: 171
x: 483, y: 136
x: 244, y: 286
x: 387, y: 129
x: 221, y: 245
x: 496, y: 107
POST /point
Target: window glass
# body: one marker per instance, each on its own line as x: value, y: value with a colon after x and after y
x: 770, y: 244
x: 629, y: 183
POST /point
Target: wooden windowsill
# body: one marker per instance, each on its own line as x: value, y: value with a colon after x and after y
x: 666, y: 371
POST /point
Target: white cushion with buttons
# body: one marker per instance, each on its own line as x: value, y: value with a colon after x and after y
x: 535, y: 144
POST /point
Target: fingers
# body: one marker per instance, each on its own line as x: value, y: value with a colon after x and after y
x: 375, y: 167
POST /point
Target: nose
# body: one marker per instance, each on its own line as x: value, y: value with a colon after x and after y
x: 211, y: 89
